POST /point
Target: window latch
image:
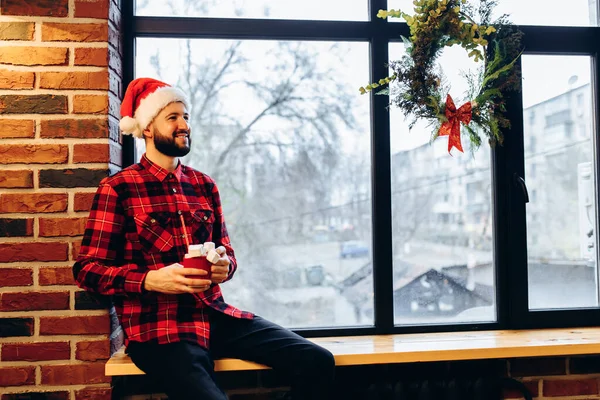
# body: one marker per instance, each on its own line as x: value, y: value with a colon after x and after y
x: 519, y: 181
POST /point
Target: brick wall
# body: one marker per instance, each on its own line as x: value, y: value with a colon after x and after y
x: 548, y: 378
x: 60, y: 82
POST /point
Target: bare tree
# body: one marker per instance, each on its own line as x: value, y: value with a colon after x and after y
x: 267, y: 127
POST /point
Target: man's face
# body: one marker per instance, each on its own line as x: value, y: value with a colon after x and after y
x: 171, y: 131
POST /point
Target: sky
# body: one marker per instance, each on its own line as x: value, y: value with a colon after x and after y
x: 543, y: 76
x: 526, y: 12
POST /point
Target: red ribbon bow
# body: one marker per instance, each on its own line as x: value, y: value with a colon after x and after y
x: 451, y: 127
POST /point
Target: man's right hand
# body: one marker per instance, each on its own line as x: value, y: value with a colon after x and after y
x: 173, y: 279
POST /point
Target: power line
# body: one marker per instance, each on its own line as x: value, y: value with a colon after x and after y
x: 408, y: 189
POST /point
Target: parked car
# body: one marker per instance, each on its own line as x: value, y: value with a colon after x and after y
x: 354, y: 248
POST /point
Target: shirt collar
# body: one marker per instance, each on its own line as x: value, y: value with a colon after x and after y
x: 159, y: 172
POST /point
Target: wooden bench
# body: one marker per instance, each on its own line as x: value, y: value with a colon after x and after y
x: 411, y: 348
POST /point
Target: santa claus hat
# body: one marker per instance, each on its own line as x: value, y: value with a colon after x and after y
x: 143, y: 100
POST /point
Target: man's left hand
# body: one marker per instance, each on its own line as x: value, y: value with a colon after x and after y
x: 220, y: 269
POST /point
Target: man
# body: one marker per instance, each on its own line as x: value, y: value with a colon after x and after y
x: 175, y: 320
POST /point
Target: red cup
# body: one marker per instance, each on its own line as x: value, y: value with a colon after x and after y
x: 198, y: 263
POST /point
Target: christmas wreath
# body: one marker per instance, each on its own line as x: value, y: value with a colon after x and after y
x: 416, y: 85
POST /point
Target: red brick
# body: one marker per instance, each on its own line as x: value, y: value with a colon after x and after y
x: 62, y: 395
x: 42, y: 8
x: 114, y: 16
x: 116, y: 87
x: 16, y: 79
x: 72, y: 177
x: 75, y: 128
x: 13, y: 327
x: 116, y: 154
x: 90, y: 104
x: 17, y: 128
x: 59, y: 32
x: 33, y: 251
x: 75, y: 247
x: 93, y: 351
x: 97, y: 57
x: 32, y: 202
x: 569, y: 387
x: 41, y: 351
x: 32, y: 301
x: 56, y: 276
x: 83, y: 201
x: 93, y: 393
x: 542, y: 366
x: 17, y: 30
x: 114, y: 39
x: 83, y: 325
x: 16, y: 179
x: 17, y: 376
x: 35, y: 55
x: 532, y: 386
x: 62, y: 226
x: 16, y: 277
x: 33, y: 153
x: 90, y: 153
x: 76, y: 374
x: 115, y: 62
x: 74, y: 80
x: 34, y: 104
x: 91, y: 9
x: 16, y: 227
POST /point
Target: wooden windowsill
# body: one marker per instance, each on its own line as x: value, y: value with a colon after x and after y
x: 427, y: 347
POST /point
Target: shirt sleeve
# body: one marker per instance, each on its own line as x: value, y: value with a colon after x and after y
x: 98, y: 268
x: 220, y: 235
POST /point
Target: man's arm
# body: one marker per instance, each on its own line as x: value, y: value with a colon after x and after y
x: 220, y: 236
x: 97, y: 268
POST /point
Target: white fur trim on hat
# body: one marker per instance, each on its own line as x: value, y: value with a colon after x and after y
x: 150, y: 107
x: 130, y: 126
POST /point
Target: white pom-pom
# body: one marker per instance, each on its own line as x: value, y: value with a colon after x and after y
x: 130, y: 126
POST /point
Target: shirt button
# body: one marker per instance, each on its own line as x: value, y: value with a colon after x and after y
x: 170, y: 176
x: 179, y: 212
x: 174, y: 190
x: 205, y: 217
x: 153, y: 220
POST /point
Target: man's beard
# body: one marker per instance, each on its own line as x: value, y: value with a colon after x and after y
x: 167, y: 145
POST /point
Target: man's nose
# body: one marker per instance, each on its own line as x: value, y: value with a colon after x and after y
x: 183, y: 124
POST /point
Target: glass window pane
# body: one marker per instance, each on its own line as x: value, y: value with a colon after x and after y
x: 442, y: 219
x: 332, y: 10
x: 534, y: 12
x: 285, y: 134
x: 560, y: 175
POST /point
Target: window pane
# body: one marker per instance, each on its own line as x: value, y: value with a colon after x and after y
x: 442, y: 219
x: 283, y: 131
x: 534, y: 12
x: 560, y: 175
x: 333, y: 10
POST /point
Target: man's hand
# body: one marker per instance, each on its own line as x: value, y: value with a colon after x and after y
x: 174, y: 279
x: 220, y: 269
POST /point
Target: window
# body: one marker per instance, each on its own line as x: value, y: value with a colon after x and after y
x: 285, y: 139
x: 562, y: 261
x: 537, y: 12
x: 338, y: 10
x: 346, y: 222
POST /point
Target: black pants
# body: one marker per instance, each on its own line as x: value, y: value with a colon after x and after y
x: 186, y: 370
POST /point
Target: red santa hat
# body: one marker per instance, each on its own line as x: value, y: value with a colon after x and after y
x: 143, y: 100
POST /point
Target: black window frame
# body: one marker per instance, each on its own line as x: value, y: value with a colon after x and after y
x: 510, y: 241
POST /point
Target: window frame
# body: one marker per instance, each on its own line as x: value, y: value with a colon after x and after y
x: 510, y: 240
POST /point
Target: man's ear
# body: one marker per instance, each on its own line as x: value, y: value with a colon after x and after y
x: 147, y: 133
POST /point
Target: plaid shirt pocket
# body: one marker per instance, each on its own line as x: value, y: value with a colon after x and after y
x: 201, y: 223
x: 154, y: 231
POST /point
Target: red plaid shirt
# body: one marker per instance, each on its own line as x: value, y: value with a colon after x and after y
x: 135, y: 226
